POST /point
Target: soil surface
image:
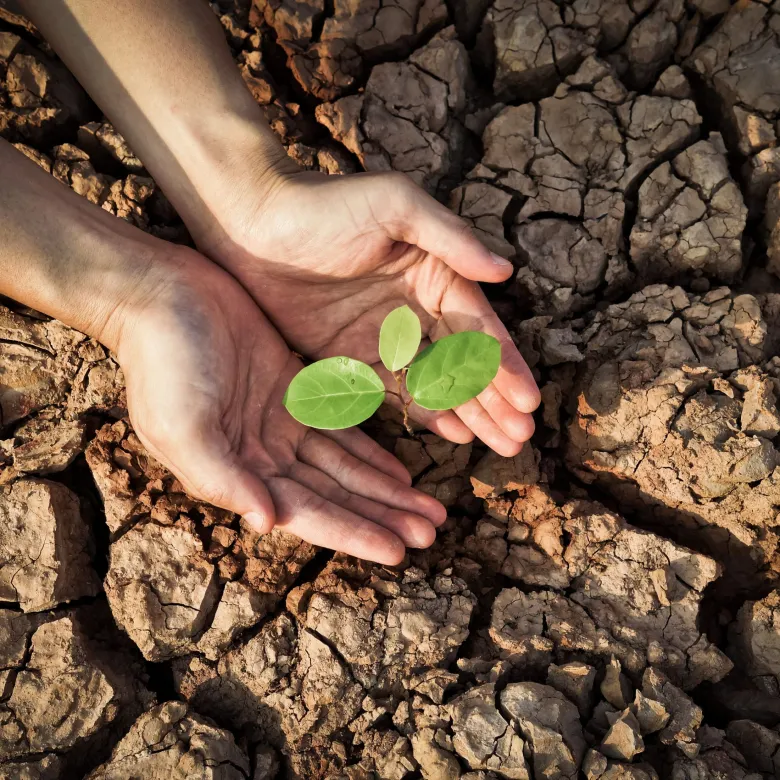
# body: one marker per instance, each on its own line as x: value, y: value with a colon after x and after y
x: 606, y: 605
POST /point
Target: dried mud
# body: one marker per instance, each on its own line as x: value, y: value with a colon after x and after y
x: 606, y: 605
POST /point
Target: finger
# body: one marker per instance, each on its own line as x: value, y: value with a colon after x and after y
x: 364, y: 448
x: 319, y: 521
x: 518, y: 426
x: 211, y: 471
x: 360, y: 479
x: 464, y: 307
x: 485, y: 428
x: 426, y: 223
x: 412, y: 529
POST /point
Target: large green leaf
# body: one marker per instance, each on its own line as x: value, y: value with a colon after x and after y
x: 453, y: 370
x: 334, y: 393
x: 399, y: 338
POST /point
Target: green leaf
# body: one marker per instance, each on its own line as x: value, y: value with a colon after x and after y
x: 334, y: 393
x: 453, y: 370
x: 399, y: 338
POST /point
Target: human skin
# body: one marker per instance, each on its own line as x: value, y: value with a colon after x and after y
x: 205, y: 373
x: 326, y: 258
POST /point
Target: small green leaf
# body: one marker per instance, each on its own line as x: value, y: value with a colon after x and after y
x: 399, y: 338
x: 334, y: 393
x: 453, y: 370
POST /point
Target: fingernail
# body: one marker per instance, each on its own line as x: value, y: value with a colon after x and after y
x: 500, y: 261
x: 258, y: 522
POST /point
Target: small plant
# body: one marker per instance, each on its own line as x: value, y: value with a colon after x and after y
x: 340, y: 392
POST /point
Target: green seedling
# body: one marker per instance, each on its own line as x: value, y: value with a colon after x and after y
x: 340, y: 392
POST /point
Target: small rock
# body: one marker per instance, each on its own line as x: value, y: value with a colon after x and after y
x: 493, y: 475
x: 651, y: 715
x: 615, y: 687
x: 623, y: 740
x: 685, y: 716
x: 575, y: 680
x: 594, y: 765
x: 531, y: 47
x: 435, y: 762
x: 413, y: 455
x: 102, y: 142
x: 736, y: 61
x: 550, y: 723
x: 161, y: 590
x: 559, y: 345
x: 672, y: 83
x: 483, y: 738
x: 46, y: 445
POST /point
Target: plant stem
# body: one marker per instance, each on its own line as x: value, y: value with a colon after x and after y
x: 406, y: 418
x: 400, y: 378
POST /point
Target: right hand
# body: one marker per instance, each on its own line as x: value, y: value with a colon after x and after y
x: 328, y: 257
x: 206, y: 373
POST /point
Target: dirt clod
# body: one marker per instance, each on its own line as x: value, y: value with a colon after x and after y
x: 170, y: 742
x: 47, y: 546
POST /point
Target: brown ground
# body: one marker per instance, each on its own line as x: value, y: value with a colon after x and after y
x: 605, y: 605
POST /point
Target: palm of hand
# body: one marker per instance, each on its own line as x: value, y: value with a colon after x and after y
x: 352, y: 252
x: 206, y: 374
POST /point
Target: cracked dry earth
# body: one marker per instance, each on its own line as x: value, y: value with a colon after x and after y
x: 606, y: 605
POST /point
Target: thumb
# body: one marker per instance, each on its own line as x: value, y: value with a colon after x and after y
x: 211, y: 471
x: 436, y: 230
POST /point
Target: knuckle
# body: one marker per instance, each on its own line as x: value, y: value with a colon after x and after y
x: 343, y: 497
x: 342, y: 466
x: 403, y: 192
x: 489, y: 395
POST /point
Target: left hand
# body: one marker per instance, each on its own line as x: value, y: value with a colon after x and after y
x: 328, y: 257
x: 206, y: 373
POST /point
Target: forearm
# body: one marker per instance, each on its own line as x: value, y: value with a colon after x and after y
x: 64, y: 256
x: 163, y: 74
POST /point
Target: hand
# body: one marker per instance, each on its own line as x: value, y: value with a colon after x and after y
x: 328, y: 257
x: 206, y: 373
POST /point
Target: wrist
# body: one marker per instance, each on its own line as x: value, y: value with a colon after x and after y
x: 230, y: 164
x: 68, y: 258
x: 103, y: 277
x: 162, y: 71
x: 122, y: 279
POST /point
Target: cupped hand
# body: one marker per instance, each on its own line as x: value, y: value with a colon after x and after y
x: 328, y: 257
x: 206, y: 373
